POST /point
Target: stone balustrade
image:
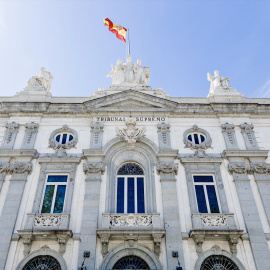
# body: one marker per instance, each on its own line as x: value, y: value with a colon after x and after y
x: 47, y: 221
x: 213, y: 221
x: 149, y: 221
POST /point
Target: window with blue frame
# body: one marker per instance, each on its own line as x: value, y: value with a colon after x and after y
x: 205, y: 190
x: 130, y: 189
x: 54, y: 194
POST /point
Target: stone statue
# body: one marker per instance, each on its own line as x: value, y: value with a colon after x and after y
x: 117, y: 73
x: 44, y: 80
x: 129, y: 74
x: 217, y: 81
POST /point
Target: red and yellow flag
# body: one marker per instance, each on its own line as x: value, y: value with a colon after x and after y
x: 119, y: 30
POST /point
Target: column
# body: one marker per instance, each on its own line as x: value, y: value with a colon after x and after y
x: 251, y: 216
x: 93, y: 173
x: 167, y: 172
x: 11, y: 207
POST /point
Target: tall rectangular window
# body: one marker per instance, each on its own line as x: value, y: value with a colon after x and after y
x: 54, y: 194
x: 206, y: 196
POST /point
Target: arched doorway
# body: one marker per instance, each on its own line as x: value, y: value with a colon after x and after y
x: 131, y: 262
x: 218, y: 262
x: 42, y: 262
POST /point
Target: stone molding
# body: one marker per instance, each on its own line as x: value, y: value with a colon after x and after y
x: 204, y: 145
x: 216, y: 250
x: 167, y: 168
x: 29, y: 139
x: 10, y: 135
x: 164, y: 136
x: 229, y: 136
x: 249, y: 136
x: 96, y: 135
x: 60, y: 149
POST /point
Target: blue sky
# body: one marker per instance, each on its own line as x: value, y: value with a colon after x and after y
x: 179, y: 40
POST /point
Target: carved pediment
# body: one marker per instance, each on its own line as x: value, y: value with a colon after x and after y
x: 128, y: 99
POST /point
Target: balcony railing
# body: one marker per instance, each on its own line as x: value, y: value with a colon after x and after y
x: 149, y: 221
x: 213, y: 221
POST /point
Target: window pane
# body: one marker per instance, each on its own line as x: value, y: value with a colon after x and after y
x: 202, y: 138
x: 64, y: 139
x: 203, y: 178
x: 201, y: 199
x: 196, y: 139
x: 57, y: 138
x: 59, y: 199
x: 120, y: 195
x: 140, y: 195
x: 190, y: 138
x: 47, y: 202
x: 212, y: 197
x: 70, y: 138
x: 131, y: 199
x: 57, y: 178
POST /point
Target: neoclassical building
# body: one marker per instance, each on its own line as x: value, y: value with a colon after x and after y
x: 131, y: 178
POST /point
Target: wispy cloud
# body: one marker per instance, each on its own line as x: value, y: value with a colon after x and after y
x: 264, y: 91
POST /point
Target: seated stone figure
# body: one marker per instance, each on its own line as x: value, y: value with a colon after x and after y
x: 44, y: 80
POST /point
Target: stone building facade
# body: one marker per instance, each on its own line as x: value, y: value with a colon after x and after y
x: 131, y: 178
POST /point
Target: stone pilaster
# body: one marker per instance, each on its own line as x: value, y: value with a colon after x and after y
x: 96, y: 135
x: 93, y: 171
x: 10, y: 135
x: 167, y: 172
x: 229, y: 136
x: 30, y: 135
x: 11, y: 206
x: 164, y: 136
x: 249, y: 136
x: 251, y: 216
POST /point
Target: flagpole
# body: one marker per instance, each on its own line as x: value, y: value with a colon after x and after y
x: 128, y: 43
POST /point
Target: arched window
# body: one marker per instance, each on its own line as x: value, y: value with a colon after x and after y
x: 131, y: 262
x: 43, y: 262
x: 218, y: 262
x: 130, y: 189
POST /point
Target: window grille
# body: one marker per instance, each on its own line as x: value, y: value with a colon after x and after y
x: 131, y: 262
x: 130, y: 169
x: 42, y: 262
x: 218, y: 262
x: 205, y: 191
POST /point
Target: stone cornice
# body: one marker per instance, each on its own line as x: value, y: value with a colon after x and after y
x: 31, y: 153
x: 245, y: 153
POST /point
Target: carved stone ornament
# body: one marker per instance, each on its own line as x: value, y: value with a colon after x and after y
x: 27, y: 242
x: 131, y: 134
x: 167, y: 168
x: 217, y: 81
x: 196, y: 130
x: 104, y: 238
x: 129, y: 73
x: 216, y: 250
x: 123, y: 220
x: 16, y: 168
x: 233, y: 241
x: 259, y: 168
x: 214, y: 220
x: 47, y: 220
x: 229, y: 135
x: 239, y: 168
x: 163, y: 131
x: 248, y: 134
x: 157, y: 243
x: 11, y: 128
x: 94, y: 168
x: 198, y: 245
x: 41, y: 81
x: 60, y: 149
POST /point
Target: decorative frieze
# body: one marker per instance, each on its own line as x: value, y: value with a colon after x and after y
x: 167, y: 168
x: 249, y: 136
x: 239, y: 168
x: 131, y: 134
x: 96, y: 135
x: 47, y: 220
x: 249, y: 168
x: 16, y: 168
x: 214, y: 220
x: 164, y: 136
x: 123, y: 220
x: 29, y: 139
x: 229, y: 136
x: 10, y: 135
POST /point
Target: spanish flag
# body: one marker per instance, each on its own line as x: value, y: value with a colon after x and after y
x: 119, y: 30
